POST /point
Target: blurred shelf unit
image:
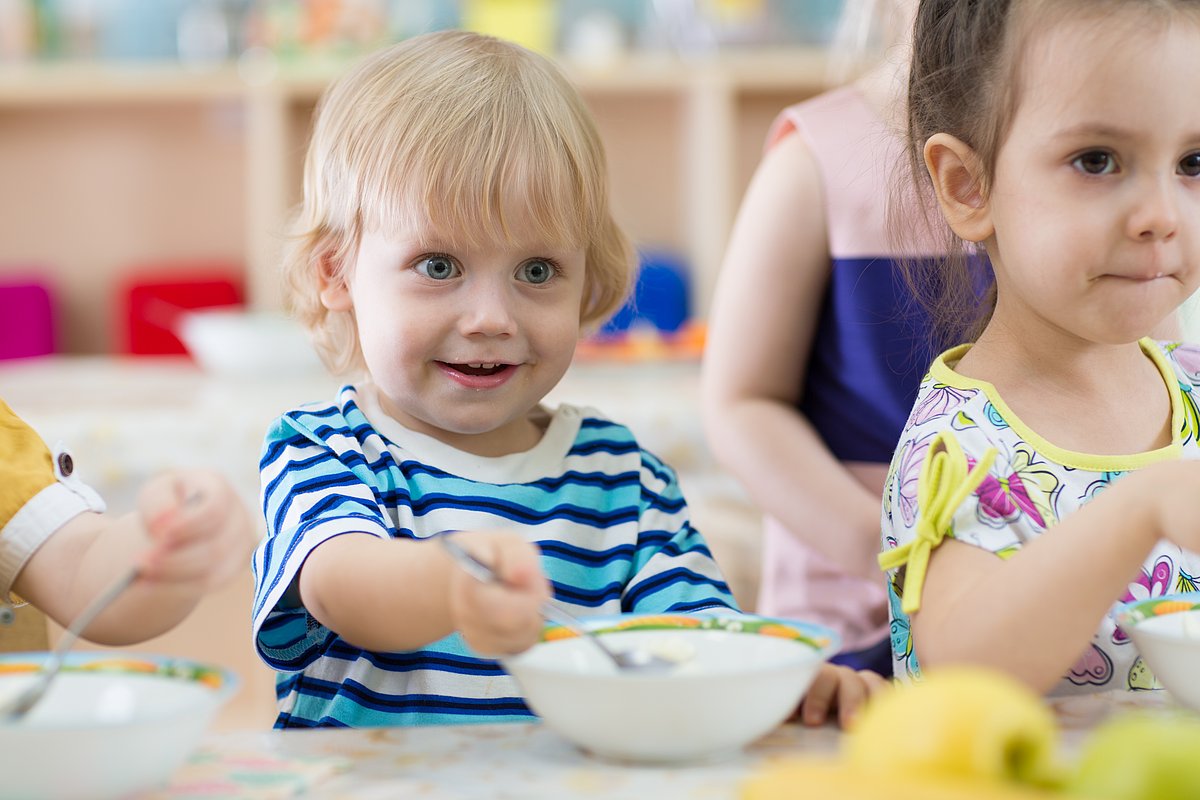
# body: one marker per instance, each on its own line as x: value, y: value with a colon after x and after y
x: 110, y: 167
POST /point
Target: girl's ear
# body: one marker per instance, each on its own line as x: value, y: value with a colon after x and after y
x: 958, y: 179
x: 335, y: 295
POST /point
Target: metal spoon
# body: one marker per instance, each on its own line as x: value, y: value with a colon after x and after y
x: 635, y: 660
x: 16, y: 707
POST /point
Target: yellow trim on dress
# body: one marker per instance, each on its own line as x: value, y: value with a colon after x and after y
x: 942, y: 372
x: 944, y: 484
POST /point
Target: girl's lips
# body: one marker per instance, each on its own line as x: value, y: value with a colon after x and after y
x: 485, y: 376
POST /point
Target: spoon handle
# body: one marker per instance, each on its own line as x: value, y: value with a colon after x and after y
x: 79, y: 625
x: 17, y: 707
x: 469, y: 563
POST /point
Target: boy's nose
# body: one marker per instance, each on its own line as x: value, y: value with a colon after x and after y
x: 1155, y: 216
x: 486, y: 311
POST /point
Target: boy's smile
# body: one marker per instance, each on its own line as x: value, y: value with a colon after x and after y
x: 478, y: 376
x: 463, y: 342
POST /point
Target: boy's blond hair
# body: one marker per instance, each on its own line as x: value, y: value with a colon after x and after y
x: 457, y: 133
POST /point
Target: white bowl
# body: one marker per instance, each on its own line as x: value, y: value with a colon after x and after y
x: 742, y: 677
x: 1166, y: 631
x: 233, y: 341
x: 107, y: 726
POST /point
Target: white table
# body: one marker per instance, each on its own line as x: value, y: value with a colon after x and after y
x: 524, y: 761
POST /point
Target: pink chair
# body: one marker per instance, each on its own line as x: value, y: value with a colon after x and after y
x: 26, y: 317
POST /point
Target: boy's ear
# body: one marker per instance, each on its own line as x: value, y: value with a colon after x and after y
x: 335, y: 295
x: 957, y: 180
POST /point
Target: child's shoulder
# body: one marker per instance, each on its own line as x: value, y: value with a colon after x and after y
x: 945, y: 398
x: 323, y: 417
x: 1184, y: 358
x: 595, y: 428
x: 597, y: 431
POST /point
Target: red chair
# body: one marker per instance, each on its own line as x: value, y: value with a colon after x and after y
x: 154, y: 300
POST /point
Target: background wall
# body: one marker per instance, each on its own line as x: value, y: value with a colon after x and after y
x: 160, y: 140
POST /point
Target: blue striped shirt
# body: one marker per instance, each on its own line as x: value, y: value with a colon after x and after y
x: 609, y: 517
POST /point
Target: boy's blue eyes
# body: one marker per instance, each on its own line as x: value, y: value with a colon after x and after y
x: 439, y: 268
x: 537, y: 271
x: 443, y: 268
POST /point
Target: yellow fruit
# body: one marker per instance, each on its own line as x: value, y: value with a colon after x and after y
x: 959, y: 723
x: 1140, y: 757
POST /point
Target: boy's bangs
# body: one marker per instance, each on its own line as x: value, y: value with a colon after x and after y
x: 519, y: 200
x: 514, y: 180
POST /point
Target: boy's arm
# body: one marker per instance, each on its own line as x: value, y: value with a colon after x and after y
x: 378, y: 594
x: 396, y: 595
x: 330, y: 565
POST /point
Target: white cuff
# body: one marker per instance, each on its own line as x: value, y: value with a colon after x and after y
x: 38, y: 519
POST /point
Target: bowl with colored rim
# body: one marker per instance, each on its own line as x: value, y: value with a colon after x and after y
x: 738, y: 676
x: 109, y: 725
x: 1166, y: 632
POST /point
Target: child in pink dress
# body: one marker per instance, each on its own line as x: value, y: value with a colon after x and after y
x: 807, y: 385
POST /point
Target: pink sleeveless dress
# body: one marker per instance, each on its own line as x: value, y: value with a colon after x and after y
x: 869, y: 354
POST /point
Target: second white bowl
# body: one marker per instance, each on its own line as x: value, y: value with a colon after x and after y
x: 740, y: 678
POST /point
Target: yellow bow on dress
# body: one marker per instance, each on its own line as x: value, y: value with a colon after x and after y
x: 945, y: 482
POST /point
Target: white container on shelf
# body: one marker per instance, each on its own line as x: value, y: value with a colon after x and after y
x: 233, y: 341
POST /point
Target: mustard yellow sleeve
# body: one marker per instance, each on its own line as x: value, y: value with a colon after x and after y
x: 26, y: 467
x: 39, y: 493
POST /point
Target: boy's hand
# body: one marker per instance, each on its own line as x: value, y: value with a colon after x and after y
x: 200, y: 531
x: 503, y: 618
x: 840, y: 689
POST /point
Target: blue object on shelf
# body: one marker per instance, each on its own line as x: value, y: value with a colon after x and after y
x: 661, y: 297
x: 140, y: 30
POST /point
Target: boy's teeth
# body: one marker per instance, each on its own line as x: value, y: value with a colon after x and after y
x: 481, y: 366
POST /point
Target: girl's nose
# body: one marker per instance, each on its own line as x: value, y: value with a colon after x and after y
x: 1155, y: 216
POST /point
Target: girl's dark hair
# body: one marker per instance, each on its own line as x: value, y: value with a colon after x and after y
x: 957, y: 84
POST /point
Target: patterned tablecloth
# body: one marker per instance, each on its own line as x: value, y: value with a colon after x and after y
x: 521, y: 761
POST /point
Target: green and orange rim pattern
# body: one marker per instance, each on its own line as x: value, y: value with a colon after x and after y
x: 182, y: 670
x: 759, y: 626
x: 1133, y: 613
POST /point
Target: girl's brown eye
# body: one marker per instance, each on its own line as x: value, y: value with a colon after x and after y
x: 1095, y: 163
x: 1189, y: 165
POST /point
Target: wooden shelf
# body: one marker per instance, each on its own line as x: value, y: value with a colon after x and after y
x: 223, y: 157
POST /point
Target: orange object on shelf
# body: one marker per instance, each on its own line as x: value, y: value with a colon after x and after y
x: 646, y: 344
